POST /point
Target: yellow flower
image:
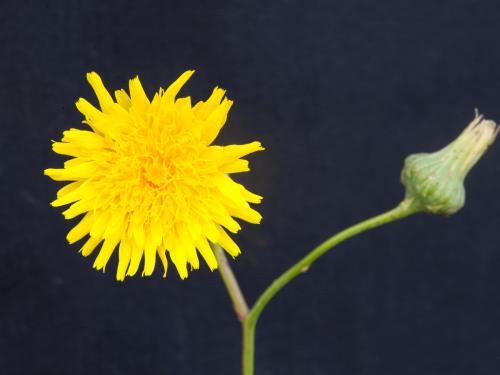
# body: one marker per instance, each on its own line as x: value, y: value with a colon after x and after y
x: 148, y: 180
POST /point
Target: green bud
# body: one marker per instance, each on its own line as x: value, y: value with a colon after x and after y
x: 434, y: 182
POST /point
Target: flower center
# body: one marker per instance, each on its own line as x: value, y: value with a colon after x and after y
x: 155, y: 175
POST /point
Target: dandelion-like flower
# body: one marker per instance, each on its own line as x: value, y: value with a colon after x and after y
x: 148, y: 180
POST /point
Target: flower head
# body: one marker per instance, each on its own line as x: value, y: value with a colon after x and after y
x: 148, y: 180
x: 435, y: 181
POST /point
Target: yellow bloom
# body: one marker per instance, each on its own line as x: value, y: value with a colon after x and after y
x: 147, y: 179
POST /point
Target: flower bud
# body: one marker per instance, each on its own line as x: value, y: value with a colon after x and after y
x: 434, y: 182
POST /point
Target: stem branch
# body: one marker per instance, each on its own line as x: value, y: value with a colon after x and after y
x: 404, y: 209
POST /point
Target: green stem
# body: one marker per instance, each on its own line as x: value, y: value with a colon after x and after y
x: 233, y: 289
x: 405, y: 209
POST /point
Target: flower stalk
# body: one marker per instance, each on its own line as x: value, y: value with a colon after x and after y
x: 249, y: 318
x: 434, y: 184
x: 233, y: 288
x: 403, y: 210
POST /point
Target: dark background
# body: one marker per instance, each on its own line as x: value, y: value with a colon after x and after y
x: 339, y: 92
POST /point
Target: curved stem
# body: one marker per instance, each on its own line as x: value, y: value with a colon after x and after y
x: 233, y: 289
x: 239, y: 304
x: 405, y: 209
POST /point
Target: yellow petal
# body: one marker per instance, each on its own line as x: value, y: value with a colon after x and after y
x: 190, y: 249
x: 77, y: 172
x: 81, y: 229
x: 163, y: 258
x: 233, y: 152
x: 123, y: 99
x: 149, y: 255
x: 69, y: 188
x: 207, y: 253
x: 78, y: 208
x: 100, y: 224
x: 175, y: 87
x: 248, y: 195
x: 124, y: 255
x: 138, y: 231
x: 84, y: 139
x: 82, y: 191
x: 137, y: 94
x: 179, y: 258
x: 216, y: 121
x: 238, y: 166
x: 89, y: 246
x: 88, y: 110
x: 107, y: 249
x: 210, y: 230
x: 135, y: 259
x: 227, y: 243
x: 204, y: 109
x: 246, y: 213
x: 105, y: 100
x: 63, y: 148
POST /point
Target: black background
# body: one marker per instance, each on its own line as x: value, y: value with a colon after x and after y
x: 339, y: 92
